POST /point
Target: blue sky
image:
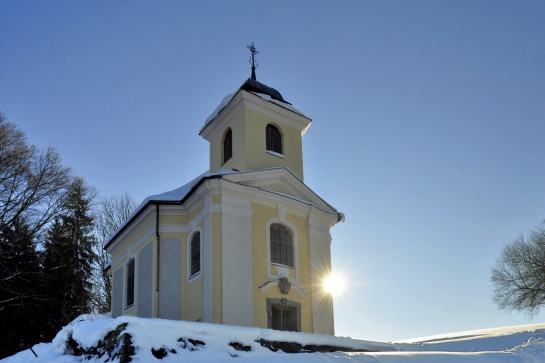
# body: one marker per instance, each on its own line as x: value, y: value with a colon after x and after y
x: 428, y: 125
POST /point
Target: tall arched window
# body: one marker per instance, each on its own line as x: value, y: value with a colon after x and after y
x: 130, y: 283
x: 281, y: 245
x: 195, y: 254
x: 274, y: 139
x: 227, y: 146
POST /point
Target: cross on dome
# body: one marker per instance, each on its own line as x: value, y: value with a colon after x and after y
x: 252, y: 60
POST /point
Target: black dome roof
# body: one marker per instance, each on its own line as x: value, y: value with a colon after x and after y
x: 252, y: 85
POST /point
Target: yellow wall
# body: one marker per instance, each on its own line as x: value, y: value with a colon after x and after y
x: 238, y: 160
x: 217, y: 316
x: 255, y: 138
x: 192, y: 293
x: 249, y: 144
x: 262, y: 214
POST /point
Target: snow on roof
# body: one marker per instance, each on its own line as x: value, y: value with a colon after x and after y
x: 218, y: 109
x: 279, y: 103
x: 230, y: 96
x: 180, y: 193
x: 176, y: 195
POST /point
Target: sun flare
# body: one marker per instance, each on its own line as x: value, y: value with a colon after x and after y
x: 334, y: 284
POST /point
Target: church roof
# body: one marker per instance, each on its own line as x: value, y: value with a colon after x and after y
x: 257, y: 88
x: 253, y: 85
x: 181, y: 194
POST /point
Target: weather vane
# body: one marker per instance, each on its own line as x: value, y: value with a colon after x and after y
x: 252, y: 60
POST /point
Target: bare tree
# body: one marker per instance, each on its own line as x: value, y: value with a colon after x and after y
x: 34, y: 187
x: 113, y: 212
x: 518, y: 278
x: 33, y: 183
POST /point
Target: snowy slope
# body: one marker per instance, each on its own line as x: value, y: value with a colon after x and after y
x: 214, y: 343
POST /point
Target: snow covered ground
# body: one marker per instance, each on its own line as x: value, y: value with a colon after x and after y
x: 521, y: 344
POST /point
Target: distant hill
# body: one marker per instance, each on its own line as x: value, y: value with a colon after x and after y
x: 92, y: 338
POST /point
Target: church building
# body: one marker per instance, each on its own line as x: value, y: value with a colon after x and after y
x: 246, y: 243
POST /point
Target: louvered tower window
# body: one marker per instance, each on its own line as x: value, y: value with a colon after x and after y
x: 274, y: 139
x: 227, y: 146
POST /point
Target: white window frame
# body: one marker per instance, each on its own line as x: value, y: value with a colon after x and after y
x: 272, y: 152
x: 191, y: 278
x: 294, y: 241
x: 126, y: 286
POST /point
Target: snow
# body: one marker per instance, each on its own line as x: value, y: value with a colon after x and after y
x: 218, y: 109
x: 180, y: 193
x: 175, y: 195
x: 522, y: 344
x: 230, y: 96
x: 279, y: 103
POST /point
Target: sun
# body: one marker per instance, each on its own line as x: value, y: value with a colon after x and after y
x: 334, y: 284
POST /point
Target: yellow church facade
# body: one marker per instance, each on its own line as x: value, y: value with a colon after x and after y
x: 246, y: 243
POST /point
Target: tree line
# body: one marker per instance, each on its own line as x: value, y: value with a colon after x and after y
x: 53, y: 227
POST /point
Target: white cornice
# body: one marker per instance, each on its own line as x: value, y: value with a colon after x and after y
x: 249, y: 186
x: 131, y: 228
x: 133, y: 247
x: 173, y: 228
x: 217, y: 124
x: 280, y: 201
x: 276, y: 112
x: 194, y: 202
x: 258, y: 104
x: 296, y: 187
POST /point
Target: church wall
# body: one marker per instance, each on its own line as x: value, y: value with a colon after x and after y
x: 194, y: 296
x: 217, y: 303
x: 237, y: 161
x: 265, y: 271
x: 277, y: 187
x: 141, y: 235
x: 184, y: 298
x: 303, y: 273
x: 256, y: 153
x: 117, y: 293
x: 171, y: 279
x: 237, y: 283
x: 129, y: 248
x: 236, y: 270
x: 144, y: 281
x: 320, y: 253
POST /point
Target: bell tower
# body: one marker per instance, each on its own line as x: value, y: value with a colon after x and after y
x: 255, y: 128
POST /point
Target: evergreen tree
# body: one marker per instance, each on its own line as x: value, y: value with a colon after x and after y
x: 69, y: 257
x: 21, y: 294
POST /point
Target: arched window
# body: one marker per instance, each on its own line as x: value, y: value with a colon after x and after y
x: 195, y: 253
x: 130, y: 283
x: 227, y: 146
x: 281, y: 245
x: 274, y: 139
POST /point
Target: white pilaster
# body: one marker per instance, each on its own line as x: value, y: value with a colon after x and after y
x: 207, y: 261
x: 236, y: 229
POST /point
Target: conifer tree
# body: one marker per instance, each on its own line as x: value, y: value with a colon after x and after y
x: 21, y: 294
x: 69, y: 257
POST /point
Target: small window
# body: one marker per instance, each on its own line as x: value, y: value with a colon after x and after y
x: 130, y: 282
x: 274, y: 139
x: 284, y: 315
x: 227, y: 146
x: 281, y: 245
x: 195, y: 254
